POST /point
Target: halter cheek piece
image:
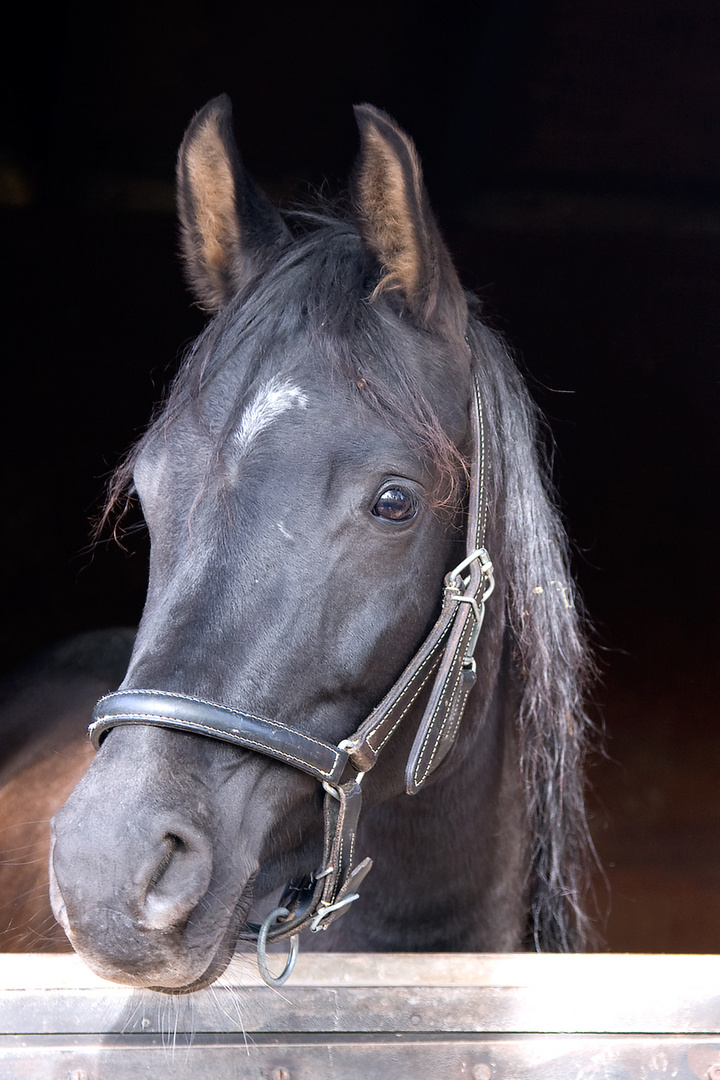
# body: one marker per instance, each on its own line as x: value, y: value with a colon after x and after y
x: 446, y: 655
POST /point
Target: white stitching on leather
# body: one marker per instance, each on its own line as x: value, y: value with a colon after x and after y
x: 214, y: 705
x: 450, y: 677
x: 405, y: 711
x: 221, y: 733
x: 430, y: 657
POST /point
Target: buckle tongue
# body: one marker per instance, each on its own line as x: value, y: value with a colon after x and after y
x: 326, y: 909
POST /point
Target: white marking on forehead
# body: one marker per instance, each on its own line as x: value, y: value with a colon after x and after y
x: 271, y: 400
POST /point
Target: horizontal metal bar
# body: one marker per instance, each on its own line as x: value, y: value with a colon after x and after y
x: 538, y: 1058
x: 50, y: 971
x: 475, y: 994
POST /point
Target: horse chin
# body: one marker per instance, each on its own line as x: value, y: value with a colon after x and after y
x: 172, y: 973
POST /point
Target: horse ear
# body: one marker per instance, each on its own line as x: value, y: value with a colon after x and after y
x: 398, y: 226
x: 228, y: 228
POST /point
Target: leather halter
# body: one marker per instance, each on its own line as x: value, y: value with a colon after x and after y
x: 446, y: 655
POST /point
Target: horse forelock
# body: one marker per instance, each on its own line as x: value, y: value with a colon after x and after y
x: 315, y: 301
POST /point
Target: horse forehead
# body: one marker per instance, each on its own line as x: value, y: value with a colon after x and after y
x: 273, y: 398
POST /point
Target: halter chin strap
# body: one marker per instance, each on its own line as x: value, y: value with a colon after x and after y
x: 446, y: 656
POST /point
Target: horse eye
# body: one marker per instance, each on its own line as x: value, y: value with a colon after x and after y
x: 396, y: 504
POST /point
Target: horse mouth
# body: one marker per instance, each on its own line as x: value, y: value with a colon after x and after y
x: 225, y: 950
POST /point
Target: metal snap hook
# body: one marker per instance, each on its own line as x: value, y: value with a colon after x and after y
x: 275, y: 980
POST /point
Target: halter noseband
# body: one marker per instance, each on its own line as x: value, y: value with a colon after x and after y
x: 446, y: 654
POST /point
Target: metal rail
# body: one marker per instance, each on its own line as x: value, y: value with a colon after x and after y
x: 361, y: 1017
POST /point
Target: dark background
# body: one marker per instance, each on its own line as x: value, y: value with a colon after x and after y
x: 572, y: 152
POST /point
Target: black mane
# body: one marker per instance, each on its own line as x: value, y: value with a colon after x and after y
x: 549, y: 648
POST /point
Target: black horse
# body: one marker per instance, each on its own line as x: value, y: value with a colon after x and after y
x: 345, y: 467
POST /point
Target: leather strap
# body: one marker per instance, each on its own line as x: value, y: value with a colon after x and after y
x: 447, y: 650
x: 316, y: 902
x: 159, y: 707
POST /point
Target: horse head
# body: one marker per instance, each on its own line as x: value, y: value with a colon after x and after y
x: 305, y: 490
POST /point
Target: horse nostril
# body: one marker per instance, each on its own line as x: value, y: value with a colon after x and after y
x: 171, y: 844
x: 179, y: 879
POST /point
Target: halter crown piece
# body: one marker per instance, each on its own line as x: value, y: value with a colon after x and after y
x: 446, y: 654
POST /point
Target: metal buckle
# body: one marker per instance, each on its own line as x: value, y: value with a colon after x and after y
x: 453, y: 583
x: 453, y: 579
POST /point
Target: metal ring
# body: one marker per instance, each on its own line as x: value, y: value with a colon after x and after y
x: 267, y: 975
